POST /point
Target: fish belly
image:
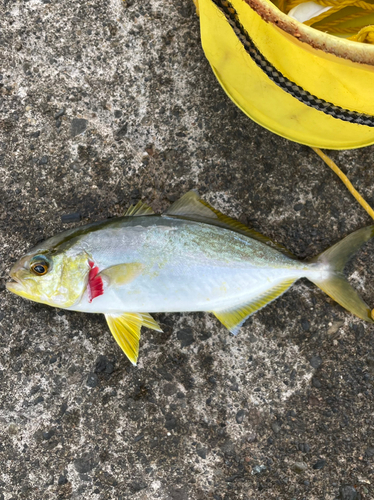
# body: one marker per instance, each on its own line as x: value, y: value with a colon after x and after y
x: 203, y: 290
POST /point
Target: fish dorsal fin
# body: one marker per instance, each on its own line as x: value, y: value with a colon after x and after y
x: 139, y: 209
x: 125, y: 329
x: 234, y: 318
x: 191, y: 205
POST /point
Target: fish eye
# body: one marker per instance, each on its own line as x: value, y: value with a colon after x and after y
x: 39, y: 267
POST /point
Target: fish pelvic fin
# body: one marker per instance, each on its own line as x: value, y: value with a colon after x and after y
x: 235, y: 317
x: 335, y: 283
x: 126, y: 328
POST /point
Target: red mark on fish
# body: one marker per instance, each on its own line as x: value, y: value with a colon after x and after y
x: 95, y: 286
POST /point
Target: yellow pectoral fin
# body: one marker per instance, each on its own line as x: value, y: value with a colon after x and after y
x: 234, y: 318
x: 125, y: 329
x: 122, y: 273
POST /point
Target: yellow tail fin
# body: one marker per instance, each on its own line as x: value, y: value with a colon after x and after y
x: 336, y: 285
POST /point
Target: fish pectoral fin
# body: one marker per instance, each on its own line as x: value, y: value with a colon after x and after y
x: 125, y: 329
x: 139, y: 209
x: 121, y: 273
x: 234, y: 318
x: 191, y: 205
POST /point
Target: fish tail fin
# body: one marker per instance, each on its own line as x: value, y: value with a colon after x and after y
x: 333, y: 282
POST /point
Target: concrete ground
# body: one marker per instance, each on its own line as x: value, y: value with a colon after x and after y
x: 107, y: 103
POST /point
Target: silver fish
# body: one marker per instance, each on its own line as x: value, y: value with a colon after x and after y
x: 192, y: 258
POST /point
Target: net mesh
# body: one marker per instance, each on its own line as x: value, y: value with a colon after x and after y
x: 351, y: 19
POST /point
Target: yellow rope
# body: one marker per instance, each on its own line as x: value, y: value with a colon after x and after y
x: 345, y: 181
x: 332, y: 24
x: 338, y: 5
x: 347, y: 31
x: 323, y: 22
x: 341, y: 4
x: 282, y: 5
x: 365, y: 35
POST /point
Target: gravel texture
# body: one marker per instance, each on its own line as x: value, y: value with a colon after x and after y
x: 106, y: 103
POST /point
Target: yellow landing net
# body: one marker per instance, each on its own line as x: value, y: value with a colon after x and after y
x: 306, y: 83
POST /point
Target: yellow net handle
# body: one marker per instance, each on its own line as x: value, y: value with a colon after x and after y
x: 345, y: 181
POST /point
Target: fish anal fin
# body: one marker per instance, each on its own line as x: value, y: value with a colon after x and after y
x: 139, y: 209
x: 126, y: 328
x: 121, y: 273
x: 191, y: 205
x: 234, y: 318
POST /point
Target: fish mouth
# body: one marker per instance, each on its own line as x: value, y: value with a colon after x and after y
x: 20, y: 289
x: 15, y: 286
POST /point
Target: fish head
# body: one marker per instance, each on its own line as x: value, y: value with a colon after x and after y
x: 58, y: 279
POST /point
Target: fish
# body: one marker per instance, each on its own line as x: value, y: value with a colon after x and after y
x: 190, y: 258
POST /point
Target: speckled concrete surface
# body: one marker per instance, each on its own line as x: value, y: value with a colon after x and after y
x: 106, y: 103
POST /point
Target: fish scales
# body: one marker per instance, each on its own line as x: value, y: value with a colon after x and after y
x: 188, y: 266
